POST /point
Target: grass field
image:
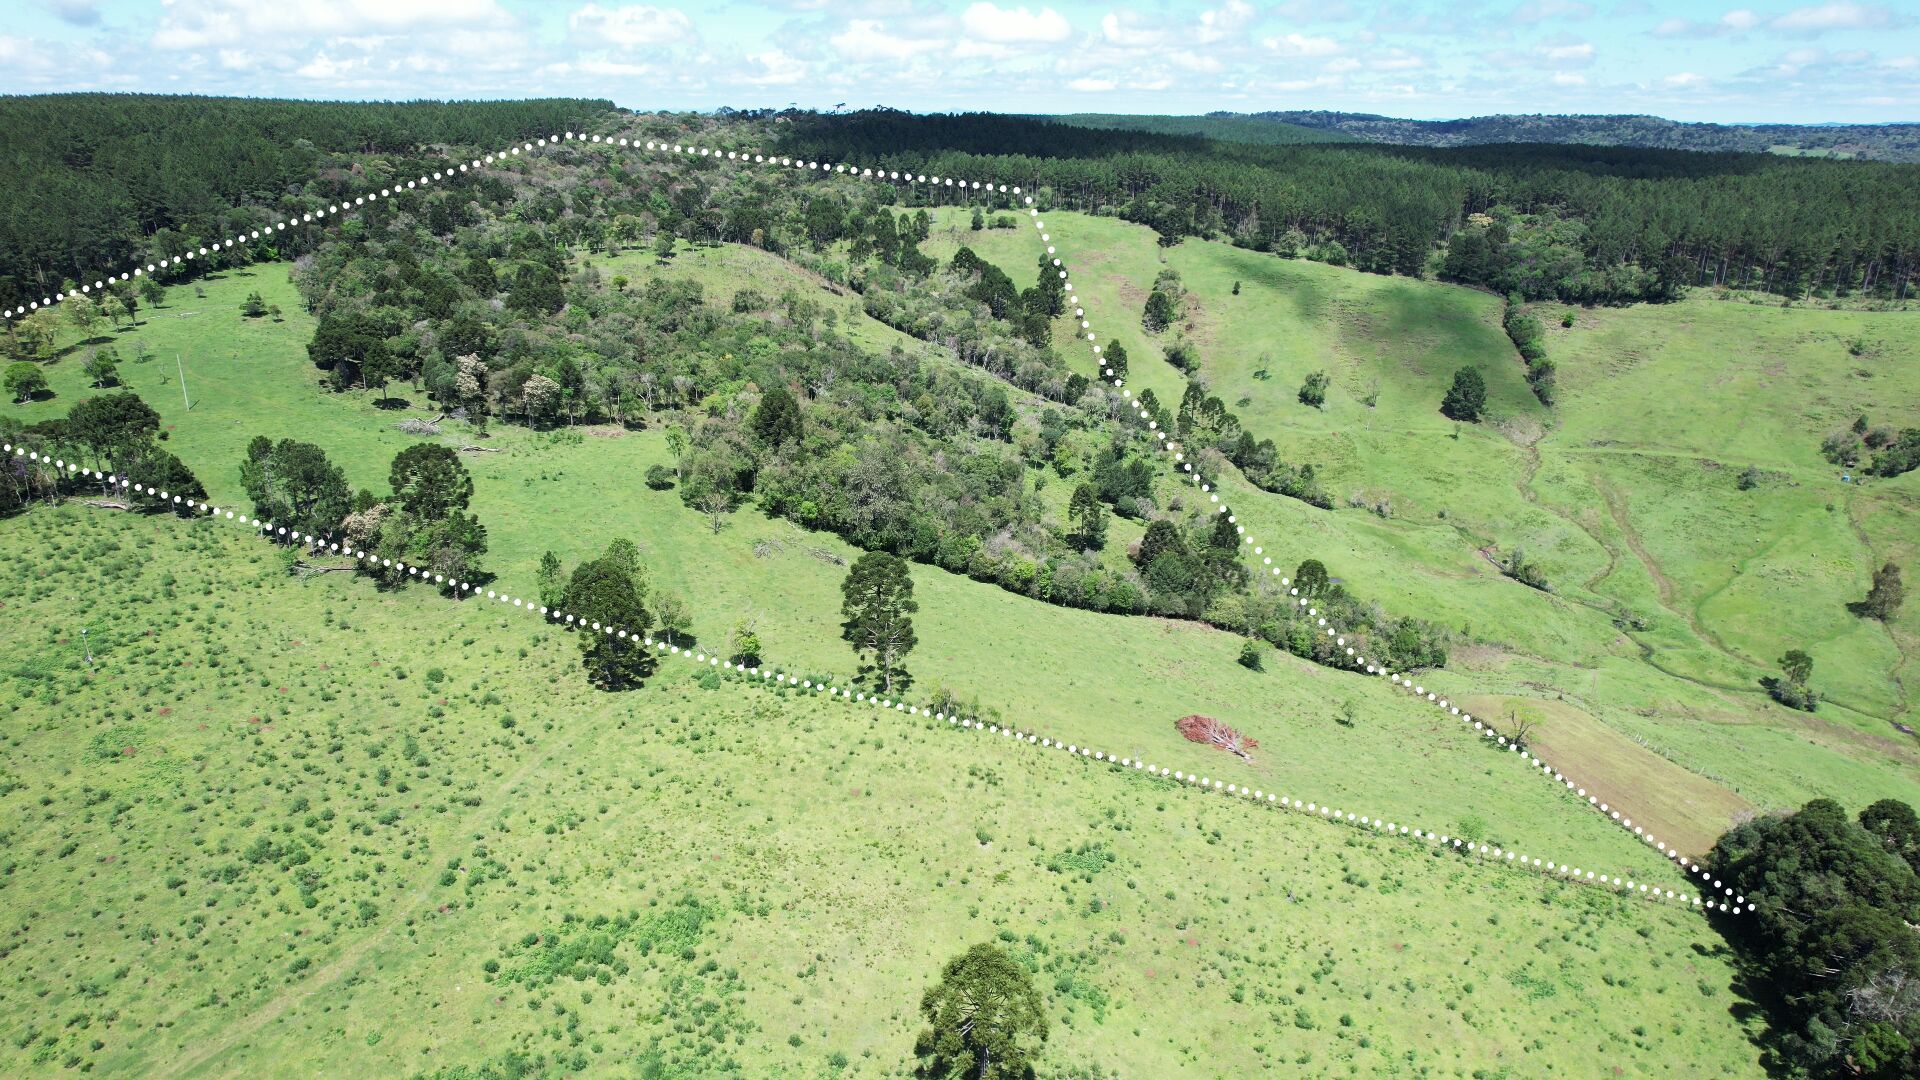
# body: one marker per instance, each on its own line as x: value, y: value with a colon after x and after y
x: 310, y: 821
x: 1674, y: 590
x: 1114, y: 681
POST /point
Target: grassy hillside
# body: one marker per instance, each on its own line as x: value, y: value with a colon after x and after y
x: 1113, y: 680
x: 1674, y: 590
x: 312, y: 819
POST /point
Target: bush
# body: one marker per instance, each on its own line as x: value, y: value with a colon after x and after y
x: 1251, y: 654
x: 1314, y: 391
x: 659, y: 477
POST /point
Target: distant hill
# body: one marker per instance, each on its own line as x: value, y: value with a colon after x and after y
x: 1232, y: 127
x: 1878, y: 142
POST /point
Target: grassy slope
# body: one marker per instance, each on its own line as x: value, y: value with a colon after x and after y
x: 1617, y: 450
x: 837, y: 858
x: 1114, y: 681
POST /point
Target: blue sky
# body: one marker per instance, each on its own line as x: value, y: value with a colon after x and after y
x: 1806, y: 62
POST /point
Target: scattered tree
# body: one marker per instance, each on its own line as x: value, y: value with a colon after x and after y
x: 429, y: 481
x: 603, y: 592
x: 1314, y: 391
x: 254, y: 306
x: 1522, y: 722
x: 549, y: 581
x: 1887, y: 594
x: 675, y: 619
x: 1089, y: 516
x: 985, y: 1020
x: 745, y: 645
x: 1466, y: 397
x: 1791, y: 688
x: 1310, y: 577
x: 1251, y: 655
x: 877, y: 604
x: 103, y: 367
x: 25, y: 381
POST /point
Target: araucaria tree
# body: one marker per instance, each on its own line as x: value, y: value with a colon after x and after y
x: 877, y: 602
x: 292, y: 484
x: 985, y: 1020
x: 1466, y: 397
x: 611, y: 620
x: 776, y: 420
x: 1089, y: 517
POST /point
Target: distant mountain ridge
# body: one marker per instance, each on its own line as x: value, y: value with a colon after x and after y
x: 1878, y: 142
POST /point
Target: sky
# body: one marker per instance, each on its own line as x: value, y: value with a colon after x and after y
x: 1425, y: 59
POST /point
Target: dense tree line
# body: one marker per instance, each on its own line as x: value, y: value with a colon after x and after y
x: 1830, y: 945
x: 471, y: 294
x: 117, y: 435
x: 423, y: 523
x: 96, y: 182
x: 1882, y: 142
x: 1581, y: 223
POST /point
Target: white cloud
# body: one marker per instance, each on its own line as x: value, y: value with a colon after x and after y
x: 1814, y: 20
x: 1568, y: 55
x: 1684, y: 79
x: 1569, y: 78
x: 1309, y: 11
x: 1092, y: 86
x: 776, y: 69
x: 1130, y: 30
x: 1543, y: 10
x: 324, y: 67
x: 1839, y: 16
x: 632, y: 27
x: 76, y: 12
x: 1014, y: 25
x: 1224, y: 22
x: 1302, y: 45
x: 868, y: 39
x: 196, y: 24
x: 617, y: 69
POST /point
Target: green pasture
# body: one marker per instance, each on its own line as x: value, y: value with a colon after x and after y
x: 279, y: 822
x: 1675, y: 590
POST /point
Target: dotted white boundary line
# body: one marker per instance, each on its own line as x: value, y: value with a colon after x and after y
x: 1566, y: 871
x: 1167, y: 446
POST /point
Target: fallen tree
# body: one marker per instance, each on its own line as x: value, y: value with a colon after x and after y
x: 1206, y: 729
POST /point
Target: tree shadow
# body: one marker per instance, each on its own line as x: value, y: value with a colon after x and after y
x: 391, y: 404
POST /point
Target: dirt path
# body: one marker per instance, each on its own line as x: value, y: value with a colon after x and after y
x: 233, y: 1034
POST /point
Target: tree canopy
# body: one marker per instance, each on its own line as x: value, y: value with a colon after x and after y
x: 985, y: 1020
